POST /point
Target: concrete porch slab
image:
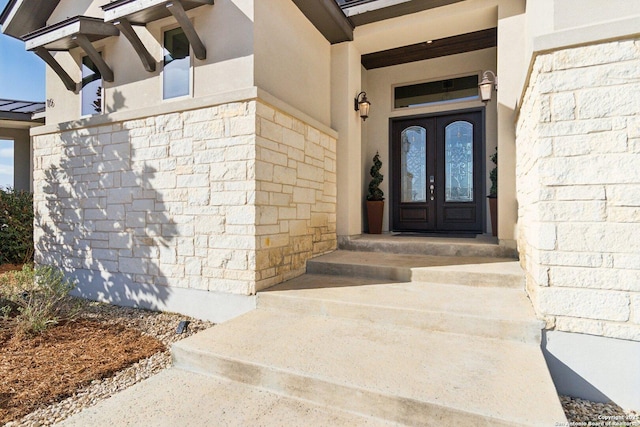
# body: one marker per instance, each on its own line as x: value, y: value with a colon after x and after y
x: 476, y: 271
x: 483, y: 311
x: 422, y: 244
x: 176, y: 397
x: 402, y: 375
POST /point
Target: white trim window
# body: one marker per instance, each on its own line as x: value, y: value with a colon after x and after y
x: 176, y: 73
x: 92, y: 90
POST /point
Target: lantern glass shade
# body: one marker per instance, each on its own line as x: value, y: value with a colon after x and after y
x: 485, y: 89
x: 363, y: 107
x: 362, y: 104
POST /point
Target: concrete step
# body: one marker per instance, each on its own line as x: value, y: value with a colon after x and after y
x: 403, y: 375
x: 472, y: 271
x: 421, y: 244
x: 176, y: 397
x: 487, y: 312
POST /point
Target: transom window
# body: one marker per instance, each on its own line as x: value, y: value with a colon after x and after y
x: 457, y: 89
x: 177, y: 63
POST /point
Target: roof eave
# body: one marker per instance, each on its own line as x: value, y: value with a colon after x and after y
x: 5, y: 12
x: 20, y: 17
x: 328, y: 18
x: 366, y: 12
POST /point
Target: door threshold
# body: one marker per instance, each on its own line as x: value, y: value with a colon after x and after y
x: 456, y: 235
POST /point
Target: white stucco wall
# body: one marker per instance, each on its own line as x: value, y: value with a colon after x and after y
x: 577, y: 13
x: 228, y: 66
x: 431, y: 24
x: 512, y: 71
x: 292, y: 58
x: 347, y: 80
x: 270, y: 45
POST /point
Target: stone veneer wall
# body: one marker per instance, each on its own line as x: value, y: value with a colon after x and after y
x: 578, y: 187
x: 295, y: 195
x: 216, y: 199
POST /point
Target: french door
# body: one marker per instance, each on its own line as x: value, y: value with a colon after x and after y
x: 437, y: 173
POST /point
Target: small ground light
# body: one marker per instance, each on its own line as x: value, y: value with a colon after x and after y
x: 183, y: 327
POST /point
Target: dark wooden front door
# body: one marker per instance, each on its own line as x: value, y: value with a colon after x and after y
x: 437, y: 173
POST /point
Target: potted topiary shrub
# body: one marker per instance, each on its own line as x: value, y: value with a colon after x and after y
x: 375, y: 197
x: 493, y: 193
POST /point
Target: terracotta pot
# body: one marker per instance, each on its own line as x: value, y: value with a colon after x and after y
x: 493, y: 211
x: 375, y: 211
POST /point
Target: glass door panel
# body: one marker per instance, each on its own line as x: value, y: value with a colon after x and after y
x: 413, y: 164
x: 459, y: 162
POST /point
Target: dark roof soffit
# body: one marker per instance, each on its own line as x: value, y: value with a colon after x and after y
x: 461, y: 43
x: 94, y: 28
x: 400, y: 9
x: 5, y: 11
x: 328, y: 18
x: 57, y: 26
x: 116, y: 3
x: 150, y: 13
x: 20, y: 117
x: 30, y: 16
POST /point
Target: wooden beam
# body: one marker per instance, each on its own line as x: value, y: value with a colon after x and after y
x: 176, y: 9
x: 125, y: 28
x: 461, y: 43
x: 46, y: 56
x: 98, y: 60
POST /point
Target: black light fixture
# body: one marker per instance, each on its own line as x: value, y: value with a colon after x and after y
x: 362, y: 104
x: 183, y: 327
x: 488, y: 83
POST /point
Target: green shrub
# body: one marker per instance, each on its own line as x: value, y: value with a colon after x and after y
x: 493, y: 175
x: 16, y: 226
x: 40, y: 297
x: 375, y: 193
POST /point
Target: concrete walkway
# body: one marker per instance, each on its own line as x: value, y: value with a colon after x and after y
x: 454, y: 343
x: 177, y: 398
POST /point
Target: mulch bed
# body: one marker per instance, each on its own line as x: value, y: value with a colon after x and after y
x: 38, y: 370
x: 9, y: 267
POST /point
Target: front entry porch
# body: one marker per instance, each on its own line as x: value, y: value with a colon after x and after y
x: 400, y: 338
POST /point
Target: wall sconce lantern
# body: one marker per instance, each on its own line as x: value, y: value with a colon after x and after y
x: 488, y: 83
x: 362, y: 104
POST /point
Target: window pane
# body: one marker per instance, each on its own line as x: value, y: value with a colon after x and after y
x: 459, y: 162
x: 91, y: 88
x: 176, y: 64
x: 462, y: 88
x: 6, y: 164
x: 413, y: 164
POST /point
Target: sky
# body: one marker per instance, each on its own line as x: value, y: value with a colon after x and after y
x: 21, y: 78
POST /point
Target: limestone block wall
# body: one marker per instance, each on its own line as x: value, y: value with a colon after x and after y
x: 578, y: 188
x: 181, y: 200
x: 295, y: 195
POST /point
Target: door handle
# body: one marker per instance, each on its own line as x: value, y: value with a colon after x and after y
x: 432, y: 180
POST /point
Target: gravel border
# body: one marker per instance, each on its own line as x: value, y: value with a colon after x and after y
x: 163, y: 326
x: 584, y: 412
